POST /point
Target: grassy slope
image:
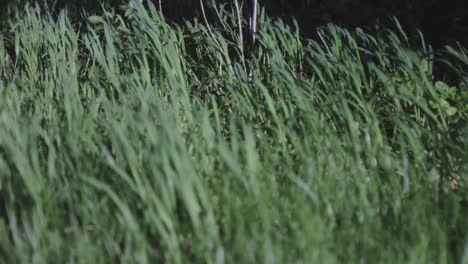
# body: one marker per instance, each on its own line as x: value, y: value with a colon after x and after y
x: 143, y: 142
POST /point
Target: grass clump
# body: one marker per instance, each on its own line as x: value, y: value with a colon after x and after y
x: 134, y: 140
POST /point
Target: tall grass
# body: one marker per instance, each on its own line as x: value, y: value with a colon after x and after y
x: 133, y: 140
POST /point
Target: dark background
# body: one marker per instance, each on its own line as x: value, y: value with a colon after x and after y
x: 442, y: 22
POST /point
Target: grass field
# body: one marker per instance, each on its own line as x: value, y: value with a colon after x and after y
x: 129, y: 139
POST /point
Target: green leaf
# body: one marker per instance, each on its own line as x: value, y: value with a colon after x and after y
x: 441, y: 86
x: 95, y: 20
x: 451, y: 111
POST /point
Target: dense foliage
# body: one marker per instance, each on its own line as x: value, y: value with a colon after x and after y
x: 129, y: 139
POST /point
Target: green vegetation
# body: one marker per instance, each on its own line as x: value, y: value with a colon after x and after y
x: 133, y: 140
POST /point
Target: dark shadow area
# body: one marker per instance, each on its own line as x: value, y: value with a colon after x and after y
x: 442, y: 22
